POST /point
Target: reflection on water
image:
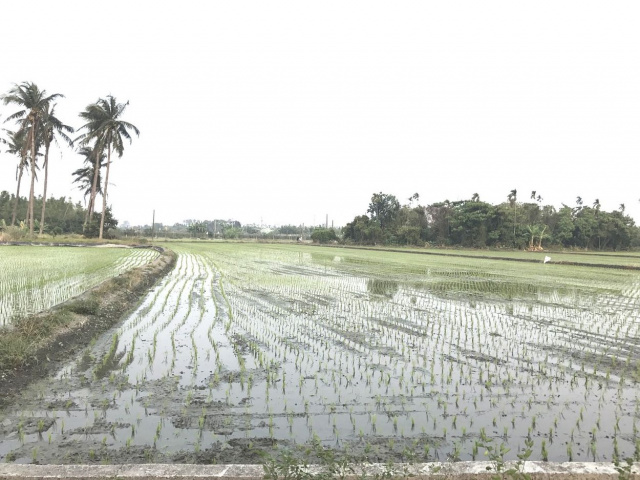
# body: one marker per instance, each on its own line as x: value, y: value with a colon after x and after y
x: 265, y: 346
x: 385, y: 288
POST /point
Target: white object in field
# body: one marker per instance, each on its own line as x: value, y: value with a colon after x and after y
x: 547, y: 259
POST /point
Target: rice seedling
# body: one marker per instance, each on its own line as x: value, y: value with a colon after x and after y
x: 35, y: 279
x: 256, y: 326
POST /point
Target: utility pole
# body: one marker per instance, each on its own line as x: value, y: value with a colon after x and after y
x: 153, y: 224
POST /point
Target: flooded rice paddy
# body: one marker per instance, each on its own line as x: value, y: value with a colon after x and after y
x: 384, y: 356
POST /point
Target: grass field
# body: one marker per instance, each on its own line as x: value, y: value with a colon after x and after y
x: 385, y: 356
x: 33, y: 279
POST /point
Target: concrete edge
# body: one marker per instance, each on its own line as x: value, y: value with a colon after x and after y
x: 460, y: 470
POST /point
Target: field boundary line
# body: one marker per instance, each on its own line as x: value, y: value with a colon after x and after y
x: 482, y: 257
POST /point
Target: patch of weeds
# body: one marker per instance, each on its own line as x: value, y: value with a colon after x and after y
x: 89, y: 306
x: 13, y: 350
x: 331, y: 466
x: 496, y: 455
x: 624, y: 468
x: 285, y: 466
x: 120, y: 281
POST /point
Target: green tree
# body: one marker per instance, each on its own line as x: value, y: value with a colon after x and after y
x: 563, y: 227
x: 383, y: 208
x: 439, y: 215
x: 33, y: 104
x: 362, y: 230
x: 288, y: 230
x: 92, y: 230
x: 586, y: 227
x: 232, y: 232
x: 324, y: 235
x: 107, y: 130
x: 199, y: 229
x: 17, y: 146
x: 85, y: 176
x: 411, y: 226
x: 473, y: 224
x: 513, y: 201
x: 530, y: 213
x: 51, y: 128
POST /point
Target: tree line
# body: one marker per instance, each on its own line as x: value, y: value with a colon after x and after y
x: 63, y: 217
x: 474, y: 223
x: 36, y: 127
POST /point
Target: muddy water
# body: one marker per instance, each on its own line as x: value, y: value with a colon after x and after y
x: 236, y: 352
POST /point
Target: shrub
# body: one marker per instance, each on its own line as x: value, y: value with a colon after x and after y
x: 324, y: 235
x: 14, y: 234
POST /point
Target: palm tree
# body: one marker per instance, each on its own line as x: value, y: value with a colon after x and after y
x: 85, y: 176
x: 596, y: 205
x: 534, y: 231
x: 533, y: 194
x: 50, y: 127
x: 539, y: 232
x: 622, y: 208
x: 17, y: 146
x: 542, y: 236
x: 105, y: 127
x: 475, y: 197
x: 33, y: 103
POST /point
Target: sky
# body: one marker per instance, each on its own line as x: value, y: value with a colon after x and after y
x: 283, y: 112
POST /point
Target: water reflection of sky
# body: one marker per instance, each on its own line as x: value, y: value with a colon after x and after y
x: 350, y: 360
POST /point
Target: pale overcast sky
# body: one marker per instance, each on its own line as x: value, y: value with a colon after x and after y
x: 282, y: 112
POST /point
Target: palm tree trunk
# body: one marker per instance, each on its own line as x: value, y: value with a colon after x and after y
x: 31, y: 199
x: 514, y: 224
x: 44, y: 192
x: 540, y: 238
x: 33, y: 177
x: 94, y: 186
x: 15, y: 204
x: 86, y: 215
x: 104, y: 194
